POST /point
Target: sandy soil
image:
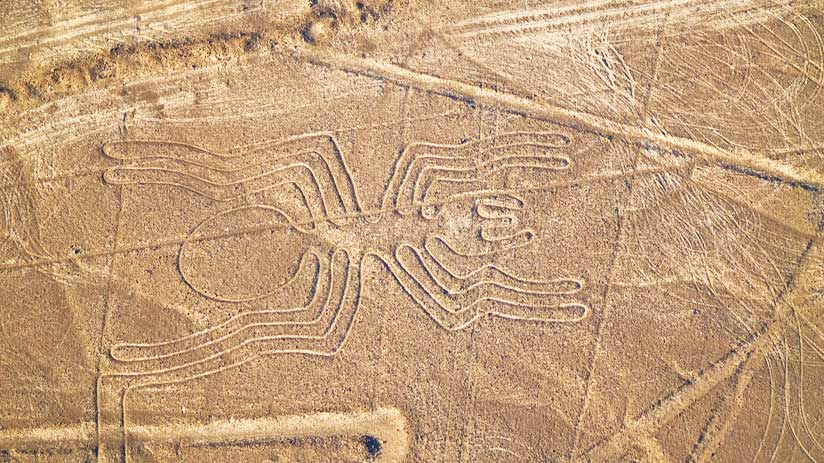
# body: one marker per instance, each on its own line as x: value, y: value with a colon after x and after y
x: 424, y: 231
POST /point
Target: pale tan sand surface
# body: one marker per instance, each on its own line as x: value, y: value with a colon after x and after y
x: 411, y: 231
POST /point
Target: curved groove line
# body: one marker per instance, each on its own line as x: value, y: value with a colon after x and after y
x: 183, y: 273
x: 227, y: 163
x: 471, y: 307
x: 408, y: 157
x: 325, y: 290
x: 578, y: 285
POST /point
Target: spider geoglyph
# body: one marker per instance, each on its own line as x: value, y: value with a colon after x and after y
x: 447, y: 210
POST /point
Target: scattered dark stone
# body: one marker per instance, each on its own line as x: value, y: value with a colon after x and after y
x: 373, y: 445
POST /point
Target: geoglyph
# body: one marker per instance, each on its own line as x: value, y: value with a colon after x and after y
x: 410, y: 230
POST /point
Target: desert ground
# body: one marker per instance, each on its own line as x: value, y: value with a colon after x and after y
x: 411, y: 231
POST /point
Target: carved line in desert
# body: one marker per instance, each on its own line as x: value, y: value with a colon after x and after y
x: 468, y: 292
x: 791, y: 307
x: 411, y: 165
x: 323, y: 342
x: 811, y: 71
x: 446, y: 281
x: 177, y: 240
x: 669, y: 19
x: 451, y: 298
x: 616, y: 16
x: 318, y: 302
x: 743, y: 159
x: 410, y: 169
x: 215, y: 176
x: 386, y: 424
x: 80, y: 27
x: 328, y: 291
x: 88, y: 172
x: 286, y: 222
x: 161, y: 168
x: 804, y: 55
x: 420, y: 277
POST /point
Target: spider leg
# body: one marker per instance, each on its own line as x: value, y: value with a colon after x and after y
x: 422, y: 291
x: 312, y: 165
x: 454, y: 299
x: 321, y: 331
x: 467, y: 278
x: 469, y: 168
x: 324, y: 335
x: 189, y: 348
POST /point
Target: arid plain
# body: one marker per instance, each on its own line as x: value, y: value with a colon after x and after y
x: 411, y: 231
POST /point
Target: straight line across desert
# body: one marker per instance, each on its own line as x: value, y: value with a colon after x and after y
x: 411, y: 231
